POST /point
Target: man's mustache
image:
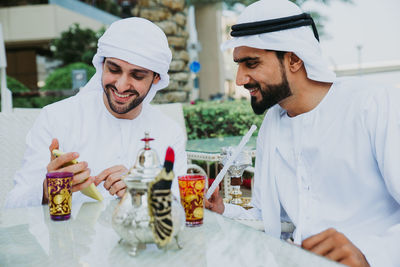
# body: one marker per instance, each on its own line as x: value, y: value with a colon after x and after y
x: 251, y: 85
x: 132, y: 91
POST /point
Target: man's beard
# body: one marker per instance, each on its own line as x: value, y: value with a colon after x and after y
x: 126, y: 107
x: 270, y: 95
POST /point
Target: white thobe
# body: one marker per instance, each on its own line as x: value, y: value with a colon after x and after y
x: 334, y: 166
x: 83, y: 124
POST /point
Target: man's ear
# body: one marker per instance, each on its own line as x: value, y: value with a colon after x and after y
x: 156, y: 78
x: 295, y: 63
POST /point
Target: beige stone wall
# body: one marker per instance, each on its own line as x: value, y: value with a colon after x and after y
x: 170, y: 15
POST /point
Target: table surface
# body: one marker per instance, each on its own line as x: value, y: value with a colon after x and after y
x: 29, y: 238
x: 214, y: 145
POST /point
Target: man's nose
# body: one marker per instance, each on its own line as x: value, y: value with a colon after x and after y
x: 123, y: 83
x: 241, y: 77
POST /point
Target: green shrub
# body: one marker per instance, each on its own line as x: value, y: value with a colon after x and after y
x: 215, y: 119
x: 16, y: 86
x: 76, y: 44
x: 61, y: 78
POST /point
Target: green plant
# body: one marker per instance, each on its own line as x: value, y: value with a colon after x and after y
x: 214, y: 119
x: 76, y: 44
x: 60, y: 79
x: 16, y: 86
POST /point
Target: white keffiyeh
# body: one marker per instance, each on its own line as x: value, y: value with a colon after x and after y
x: 300, y: 41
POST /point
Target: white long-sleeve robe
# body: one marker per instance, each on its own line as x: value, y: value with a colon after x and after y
x: 83, y: 124
x: 335, y: 166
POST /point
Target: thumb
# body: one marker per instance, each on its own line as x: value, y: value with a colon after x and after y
x: 215, y: 194
x: 54, y: 145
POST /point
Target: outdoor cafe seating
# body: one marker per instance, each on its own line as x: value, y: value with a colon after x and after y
x: 28, y: 235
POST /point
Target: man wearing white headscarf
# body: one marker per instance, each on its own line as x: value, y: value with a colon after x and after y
x: 328, y: 149
x: 106, y: 120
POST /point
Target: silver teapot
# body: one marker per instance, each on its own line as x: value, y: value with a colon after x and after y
x: 133, y: 218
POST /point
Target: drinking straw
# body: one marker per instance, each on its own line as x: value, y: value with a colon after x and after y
x: 230, y: 160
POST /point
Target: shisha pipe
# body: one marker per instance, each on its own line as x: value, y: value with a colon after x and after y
x: 230, y: 160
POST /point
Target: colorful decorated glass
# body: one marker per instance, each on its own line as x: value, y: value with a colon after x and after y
x: 59, y: 188
x: 191, y: 187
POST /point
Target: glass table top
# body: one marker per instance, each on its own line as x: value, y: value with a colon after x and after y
x: 214, y: 145
x: 29, y: 238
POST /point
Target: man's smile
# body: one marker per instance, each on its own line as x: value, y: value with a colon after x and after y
x: 253, y: 91
x: 122, y: 98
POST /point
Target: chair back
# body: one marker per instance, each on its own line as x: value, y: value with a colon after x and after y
x: 14, y: 127
x: 175, y: 112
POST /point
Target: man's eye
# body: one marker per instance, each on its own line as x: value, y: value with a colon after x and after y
x: 113, y: 70
x: 251, y: 64
x: 138, y: 77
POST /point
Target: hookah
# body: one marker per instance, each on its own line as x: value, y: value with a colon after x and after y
x: 235, y: 172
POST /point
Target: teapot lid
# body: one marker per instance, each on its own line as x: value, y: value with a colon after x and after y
x: 147, y: 164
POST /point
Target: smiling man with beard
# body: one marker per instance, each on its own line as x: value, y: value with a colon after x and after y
x: 270, y: 94
x: 106, y: 120
x: 328, y: 148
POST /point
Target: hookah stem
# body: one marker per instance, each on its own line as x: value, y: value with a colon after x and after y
x: 230, y: 160
x: 169, y: 159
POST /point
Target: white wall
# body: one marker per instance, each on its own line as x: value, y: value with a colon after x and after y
x: 40, y: 22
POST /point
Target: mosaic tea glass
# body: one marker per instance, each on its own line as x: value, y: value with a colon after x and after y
x: 191, y: 188
x: 59, y: 188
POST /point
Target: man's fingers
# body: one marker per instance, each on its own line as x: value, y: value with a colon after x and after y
x: 113, y: 178
x: 57, y: 163
x: 336, y: 255
x: 335, y: 246
x: 83, y: 185
x: 215, y: 193
x: 80, y: 177
x: 104, y: 174
x: 215, y: 203
x: 54, y: 145
x: 75, y: 168
x: 120, y: 185
x: 312, y: 241
x: 323, y: 247
x: 121, y: 193
x: 208, y: 204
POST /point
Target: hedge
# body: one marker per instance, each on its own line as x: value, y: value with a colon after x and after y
x: 220, y: 118
x: 60, y: 79
x: 16, y: 86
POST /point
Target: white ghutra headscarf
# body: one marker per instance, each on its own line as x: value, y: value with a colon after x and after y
x: 136, y: 41
x: 300, y: 40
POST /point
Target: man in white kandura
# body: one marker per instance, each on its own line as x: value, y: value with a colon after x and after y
x: 102, y: 126
x: 328, y: 150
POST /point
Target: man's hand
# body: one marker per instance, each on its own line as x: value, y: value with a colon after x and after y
x: 215, y: 203
x: 112, y: 178
x: 335, y: 246
x: 80, y: 170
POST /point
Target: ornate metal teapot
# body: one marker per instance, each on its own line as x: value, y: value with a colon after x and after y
x: 148, y: 212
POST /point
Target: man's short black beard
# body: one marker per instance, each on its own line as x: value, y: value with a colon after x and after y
x: 271, y: 95
x: 124, y: 109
